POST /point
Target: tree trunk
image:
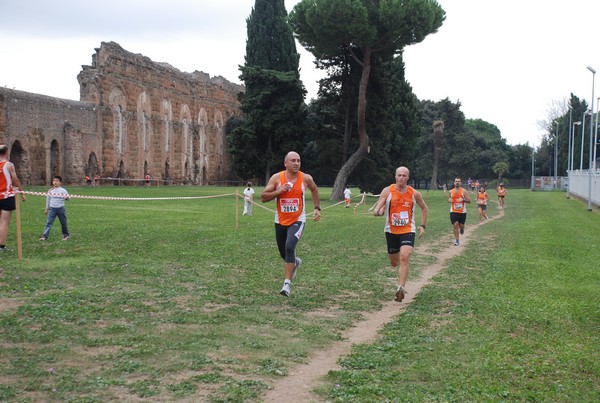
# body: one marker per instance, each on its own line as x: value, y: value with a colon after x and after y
x: 438, y: 131
x: 337, y: 193
x: 268, y: 155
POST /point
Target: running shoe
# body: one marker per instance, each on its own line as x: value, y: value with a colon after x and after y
x: 285, y: 290
x: 456, y: 242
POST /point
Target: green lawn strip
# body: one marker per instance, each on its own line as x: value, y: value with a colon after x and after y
x: 167, y: 299
x: 514, y: 317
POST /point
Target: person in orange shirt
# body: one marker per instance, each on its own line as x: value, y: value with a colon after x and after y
x: 458, y: 209
x: 397, y: 202
x: 9, y: 183
x: 288, y: 188
x: 482, y: 199
x: 501, y: 192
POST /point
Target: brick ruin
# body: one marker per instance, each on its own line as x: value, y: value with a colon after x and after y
x: 134, y: 117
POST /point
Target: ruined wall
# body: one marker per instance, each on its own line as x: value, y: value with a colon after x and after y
x: 135, y: 117
x: 31, y: 123
x: 157, y: 119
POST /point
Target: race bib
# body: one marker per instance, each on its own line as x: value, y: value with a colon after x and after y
x: 400, y: 219
x: 458, y: 206
x: 290, y: 205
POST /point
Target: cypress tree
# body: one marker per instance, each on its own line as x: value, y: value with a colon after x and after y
x: 273, y: 104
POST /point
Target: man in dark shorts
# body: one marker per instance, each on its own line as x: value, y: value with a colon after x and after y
x: 288, y: 188
x: 9, y: 184
x: 458, y: 209
x: 397, y: 202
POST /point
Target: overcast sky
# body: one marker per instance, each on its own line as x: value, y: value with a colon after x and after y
x: 507, y: 62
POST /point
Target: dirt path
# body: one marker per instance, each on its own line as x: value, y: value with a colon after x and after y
x: 302, y: 379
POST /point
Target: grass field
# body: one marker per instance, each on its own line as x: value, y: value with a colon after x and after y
x: 164, y: 300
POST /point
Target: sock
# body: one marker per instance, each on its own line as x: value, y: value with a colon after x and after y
x: 286, y: 281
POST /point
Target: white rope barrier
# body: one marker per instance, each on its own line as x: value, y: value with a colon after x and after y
x: 74, y: 196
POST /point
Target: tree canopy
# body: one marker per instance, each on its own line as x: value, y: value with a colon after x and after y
x: 362, y: 29
x: 273, y: 104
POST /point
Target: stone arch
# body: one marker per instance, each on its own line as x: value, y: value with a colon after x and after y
x: 166, y: 112
x: 19, y: 158
x: 55, y: 161
x: 118, y: 104
x: 92, y: 166
x: 144, y: 112
x: 203, y: 160
x: 186, y: 143
x: 167, y: 173
x: 220, y: 143
x: 121, y: 173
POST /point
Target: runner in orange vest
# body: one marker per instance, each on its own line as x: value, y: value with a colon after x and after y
x: 9, y: 183
x: 501, y: 192
x: 482, y: 198
x: 288, y: 188
x: 397, y: 202
x: 458, y: 209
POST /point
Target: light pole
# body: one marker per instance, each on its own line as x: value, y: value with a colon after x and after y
x: 582, y: 137
x: 573, y: 150
x: 596, y: 131
x: 570, y: 156
x: 556, y: 156
x: 591, y: 138
x: 532, y: 167
x: 570, y: 134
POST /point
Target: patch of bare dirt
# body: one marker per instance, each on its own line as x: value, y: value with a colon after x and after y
x: 297, y: 386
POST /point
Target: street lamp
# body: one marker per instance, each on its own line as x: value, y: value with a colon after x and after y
x: 591, y: 138
x: 586, y: 113
x: 556, y: 156
x: 596, y: 131
x: 570, y: 134
x: 532, y: 167
x: 570, y: 156
x: 573, y: 142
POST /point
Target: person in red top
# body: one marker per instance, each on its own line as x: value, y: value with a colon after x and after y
x: 482, y: 199
x: 458, y: 209
x: 288, y: 188
x: 9, y: 183
x: 398, y: 201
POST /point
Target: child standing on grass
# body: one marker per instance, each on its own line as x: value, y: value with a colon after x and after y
x: 55, y: 206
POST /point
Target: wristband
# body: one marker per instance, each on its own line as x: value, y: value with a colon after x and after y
x: 317, y: 208
x: 422, y: 225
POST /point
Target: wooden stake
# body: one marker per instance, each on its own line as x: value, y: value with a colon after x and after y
x: 19, y: 241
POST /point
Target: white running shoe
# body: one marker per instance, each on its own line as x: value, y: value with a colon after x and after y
x: 456, y: 242
x: 285, y: 290
x: 296, y: 266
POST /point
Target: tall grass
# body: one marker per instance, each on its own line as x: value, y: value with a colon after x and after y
x: 166, y: 299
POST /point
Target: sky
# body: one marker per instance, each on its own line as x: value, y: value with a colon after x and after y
x: 511, y: 63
